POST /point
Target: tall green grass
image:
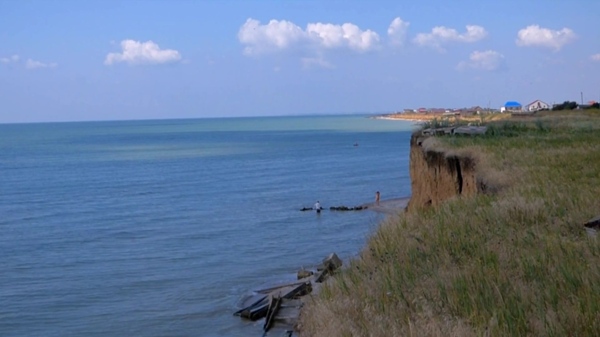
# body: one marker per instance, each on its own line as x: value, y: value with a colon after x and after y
x: 514, y: 263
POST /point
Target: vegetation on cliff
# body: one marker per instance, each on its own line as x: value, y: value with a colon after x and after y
x: 513, y: 262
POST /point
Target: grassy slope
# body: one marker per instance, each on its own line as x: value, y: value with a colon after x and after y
x: 515, y: 263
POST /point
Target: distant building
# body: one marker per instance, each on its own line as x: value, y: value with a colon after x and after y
x: 474, y: 110
x: 537, y: 105
x: 511, y: 106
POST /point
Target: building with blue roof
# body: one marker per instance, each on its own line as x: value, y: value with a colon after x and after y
x: 511, y: 106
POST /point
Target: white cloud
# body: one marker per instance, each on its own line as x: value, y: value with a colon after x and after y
x: 31, y: 64
x: 136, y: 52
x: 441, y: 35
x: 9, y: 59
x: 484, y: 60
x: 282, y: 35
x: 596, y: 57
x: 276, y: 35
x: 397, y: 31
x: 535, y: 36
x: 347, y: 35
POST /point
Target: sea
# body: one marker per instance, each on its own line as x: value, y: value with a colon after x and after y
x: 160, y: 227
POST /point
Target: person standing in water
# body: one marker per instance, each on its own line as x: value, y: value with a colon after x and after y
x: 318, y: 207
x: 377, y: 196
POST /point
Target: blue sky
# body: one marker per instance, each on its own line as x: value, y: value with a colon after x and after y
x: 110, y: 60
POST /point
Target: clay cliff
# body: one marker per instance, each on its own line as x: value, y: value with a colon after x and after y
x: 437, y: 176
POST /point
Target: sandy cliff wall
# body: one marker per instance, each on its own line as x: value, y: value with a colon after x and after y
x: 437, y: 176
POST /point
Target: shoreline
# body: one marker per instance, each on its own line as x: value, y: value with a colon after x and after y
x: 389, y: 206
x: 387, y: 118
x: 417, y: 118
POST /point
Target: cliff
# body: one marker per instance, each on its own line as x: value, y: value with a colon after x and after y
x: 437, y: 176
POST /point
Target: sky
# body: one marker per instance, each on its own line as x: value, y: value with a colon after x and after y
x: 122, y: 60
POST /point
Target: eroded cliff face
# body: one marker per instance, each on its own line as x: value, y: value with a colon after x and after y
x: 437, y: 176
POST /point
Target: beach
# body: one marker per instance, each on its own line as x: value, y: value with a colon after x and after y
x: 389, y: 206
x: 406, y: 117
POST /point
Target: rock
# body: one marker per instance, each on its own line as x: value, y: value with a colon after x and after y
x: 280, y: 305
x: 437, y: 131
x: 329, y: 265
x: 304, y: 273
x: 332, y: 261
x: 346, y: 208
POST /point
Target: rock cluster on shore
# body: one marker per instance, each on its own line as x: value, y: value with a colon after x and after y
x: 280, y: 305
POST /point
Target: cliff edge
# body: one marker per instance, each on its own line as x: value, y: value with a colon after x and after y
x: 437, y: 176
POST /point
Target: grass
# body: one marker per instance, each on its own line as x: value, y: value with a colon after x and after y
x: 514, y: 263
x: 476, y: 120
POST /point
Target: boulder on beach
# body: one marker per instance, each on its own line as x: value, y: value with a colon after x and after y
x: 303, y: 273
x: 332, y: 261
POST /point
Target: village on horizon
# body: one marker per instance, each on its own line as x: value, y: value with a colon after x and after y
x: 509, y: 106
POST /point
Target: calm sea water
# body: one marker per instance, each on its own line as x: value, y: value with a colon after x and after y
x: 157, y: 228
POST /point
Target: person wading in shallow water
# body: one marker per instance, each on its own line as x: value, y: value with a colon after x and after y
x: 318, y: 207
x: 377, y: 196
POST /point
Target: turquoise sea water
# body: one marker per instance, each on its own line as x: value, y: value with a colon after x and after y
x: 157, y: 228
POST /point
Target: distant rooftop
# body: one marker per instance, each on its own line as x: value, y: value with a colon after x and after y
x: 512, y: 104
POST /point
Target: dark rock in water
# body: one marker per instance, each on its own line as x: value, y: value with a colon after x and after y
x: 304, y: 273
x: 336, y: 208
x: 260, y: 309
x: 345, y: 208
x: 280, y: 305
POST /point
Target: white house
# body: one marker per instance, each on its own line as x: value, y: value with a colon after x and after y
x: 537, y: 105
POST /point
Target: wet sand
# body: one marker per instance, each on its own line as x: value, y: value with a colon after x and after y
x: 389, y: 206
